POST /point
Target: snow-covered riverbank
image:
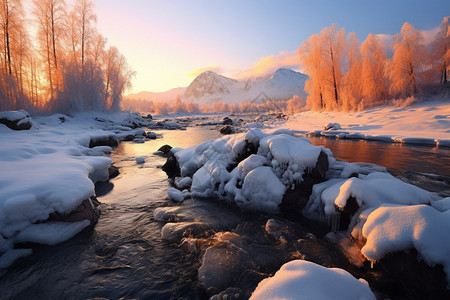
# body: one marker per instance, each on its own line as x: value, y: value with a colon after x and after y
x: 48, y: 171
x: 421, y: 123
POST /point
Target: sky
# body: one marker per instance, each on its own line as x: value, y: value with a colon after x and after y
x: 169, y: 42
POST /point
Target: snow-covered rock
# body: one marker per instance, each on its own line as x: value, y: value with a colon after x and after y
x: 175, y: 195
x: 300, y: 279
x: 332, y: 198
x: 391, y: 229
x: 252, y: 169
x: 332, y: 126
x: 16, y: 120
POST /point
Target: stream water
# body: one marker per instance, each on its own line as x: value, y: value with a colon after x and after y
x: 125, y: 256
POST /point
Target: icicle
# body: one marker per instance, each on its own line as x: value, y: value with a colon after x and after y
x: 335, y: 222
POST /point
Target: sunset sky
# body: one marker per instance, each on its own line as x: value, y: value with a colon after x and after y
x: 168, y: 43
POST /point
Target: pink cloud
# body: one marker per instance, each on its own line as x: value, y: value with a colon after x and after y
x: 269, y: 64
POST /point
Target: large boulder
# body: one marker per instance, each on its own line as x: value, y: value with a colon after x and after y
x: 16, y: 120
x: 227, y: 129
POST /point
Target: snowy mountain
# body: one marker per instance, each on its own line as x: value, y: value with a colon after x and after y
x: 210, y: 83
x: 209, y: 87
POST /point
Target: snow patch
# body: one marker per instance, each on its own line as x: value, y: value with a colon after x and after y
x: 307, y: 280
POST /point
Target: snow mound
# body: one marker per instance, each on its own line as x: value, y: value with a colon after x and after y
x: 273, y: 164
x: 396, y: 228
x: 369, y: 191
x: 301, y: 279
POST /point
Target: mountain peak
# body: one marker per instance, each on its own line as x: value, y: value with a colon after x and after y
x: 288, y: 77
x: 211, y: 83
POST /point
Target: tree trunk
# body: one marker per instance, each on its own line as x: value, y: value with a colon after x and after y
x: 336, y: 98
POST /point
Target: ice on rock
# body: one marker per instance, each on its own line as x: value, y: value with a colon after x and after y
x: 183, y: 182
x: 300, y: 279
x: 390, y: 229
x: 174, y: 232
x: 175, y: 195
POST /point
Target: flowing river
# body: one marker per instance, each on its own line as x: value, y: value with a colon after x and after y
x: 125, y: 256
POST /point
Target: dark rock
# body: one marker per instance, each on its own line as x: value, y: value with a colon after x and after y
x: 21, y: 120
x: 227, y: 121
x: 107, y: 140
x: 299, y: 195
x: 89, y: 209
x: 227, y: 129
x: 402, y: 276
x: 165, y: 149
x: 151, y: 135
x: 249, y: 149
x: 102, y: 188
x: 171, y: 166
x: 149, y: 116
x: 113, y: 172
x: 222, y: 264
x: 128, y: 138
x: 351, y: 207
x: 320, y: 252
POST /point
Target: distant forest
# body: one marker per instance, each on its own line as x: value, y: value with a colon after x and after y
x: 346, y: 75
x: 65, y: 65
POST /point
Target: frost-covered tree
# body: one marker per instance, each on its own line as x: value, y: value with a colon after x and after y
x: 51, y: 22
x: 407, y: 62
x: 334, y: 43
x: 14, y: 53
x: 351, y: 91
x: 440, y: 52
x: 322, y: 57
x: 118, y: 77
x: 311, y: 58
x: 374, y: 86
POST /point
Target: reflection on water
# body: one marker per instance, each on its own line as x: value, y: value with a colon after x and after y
x: 175, y: 138
x: 399, y: 157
